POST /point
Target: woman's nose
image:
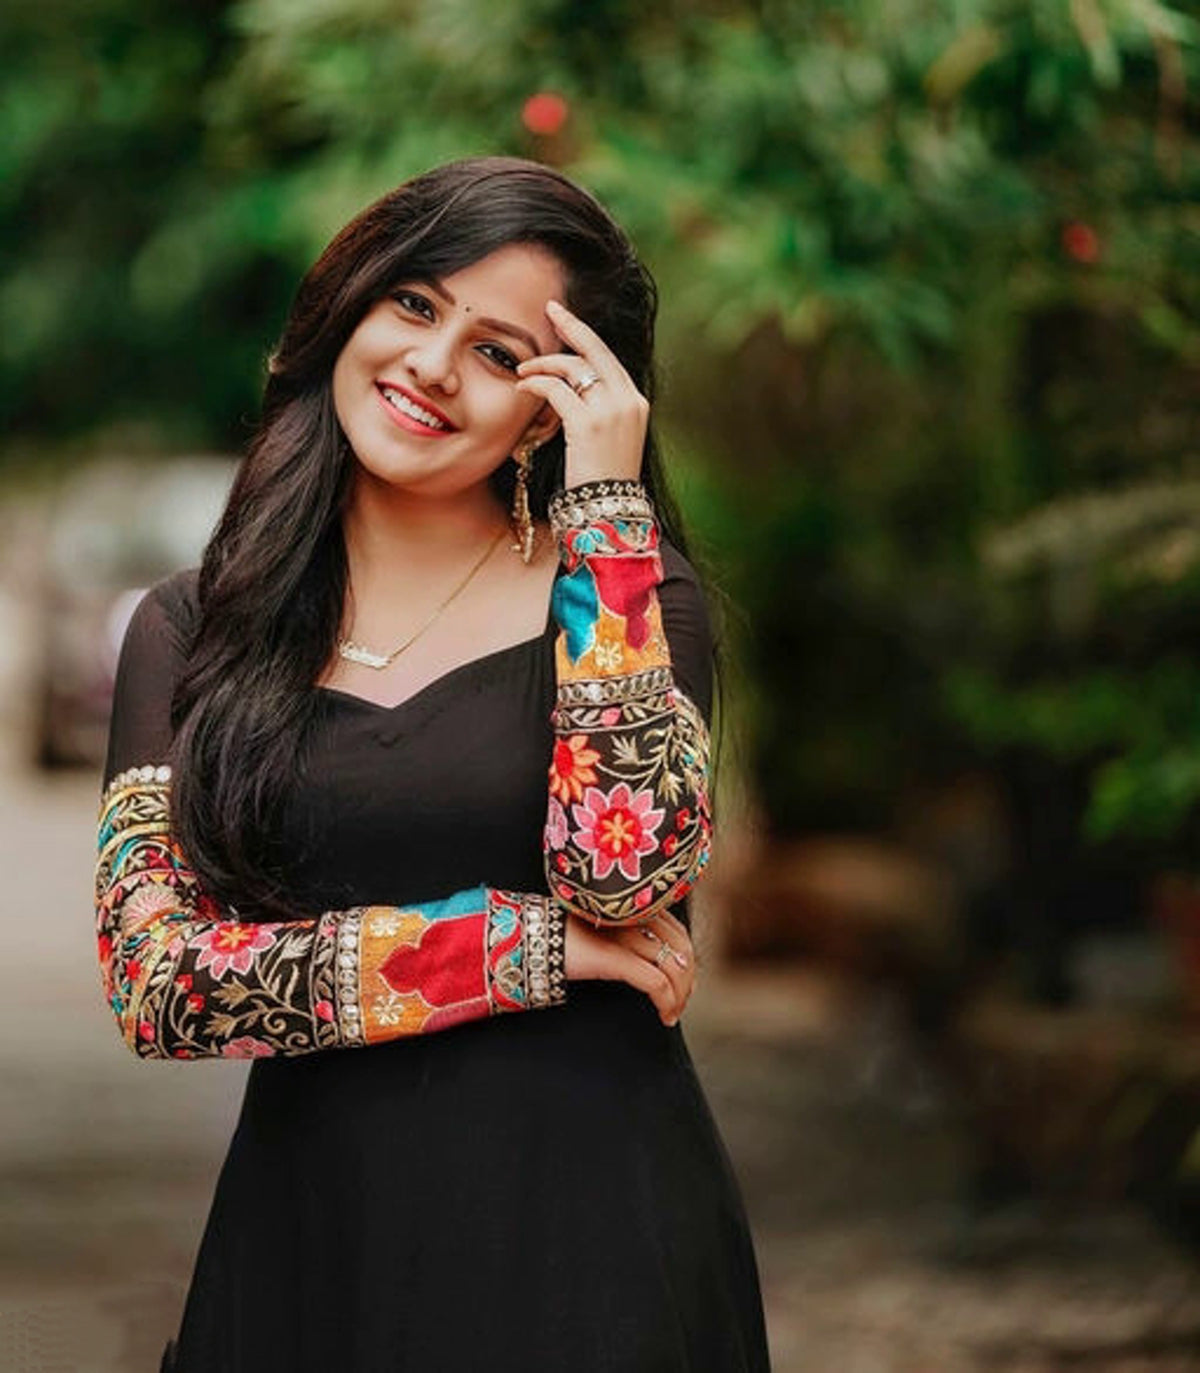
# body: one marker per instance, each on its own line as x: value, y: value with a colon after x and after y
x: 432, y: 363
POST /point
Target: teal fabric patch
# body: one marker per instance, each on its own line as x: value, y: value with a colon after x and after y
x: 576, y: 607
x: 469, y: 902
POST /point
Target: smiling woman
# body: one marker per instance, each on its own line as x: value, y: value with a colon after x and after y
x: 422, y: 746
x: 448, y: 340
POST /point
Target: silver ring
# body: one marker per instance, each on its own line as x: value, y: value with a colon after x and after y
x: 589, y: 378
x: 664, y: 952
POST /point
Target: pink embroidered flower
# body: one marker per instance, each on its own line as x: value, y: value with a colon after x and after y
x: 611, y: 716
x: 562, y: 862
x: 247, y: 1047
x: 230, y: 945
x: 556, y: 825
x: 150, y: 900
x: 571, y: 769
x: 670, y: 844
x: 617, y: 829
x: 681, y: 820
x: 642, y: 899
x: 195, y: 1002
x: 146, y: 1029
x: 324, y: 1010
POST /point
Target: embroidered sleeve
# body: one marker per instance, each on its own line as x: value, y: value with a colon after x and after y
x: 187, y: 978
x: 628, y: 825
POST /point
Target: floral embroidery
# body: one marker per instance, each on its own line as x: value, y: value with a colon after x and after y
x: 185, y: 984
x: 641, y: 829
x: 572, y: 768
x: 609, y: 656
x: 617, y: 829
x: 557, y: 830
x: 228, y: 945
x: 247, y: 1047
x: 147, y: 903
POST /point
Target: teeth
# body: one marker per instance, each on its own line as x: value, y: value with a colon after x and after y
x: 402, y: 402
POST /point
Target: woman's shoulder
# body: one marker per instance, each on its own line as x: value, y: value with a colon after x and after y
x: 176, y: 596
x: 164, y: 616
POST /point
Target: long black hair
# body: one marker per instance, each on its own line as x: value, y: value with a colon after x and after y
x: 272, y: 580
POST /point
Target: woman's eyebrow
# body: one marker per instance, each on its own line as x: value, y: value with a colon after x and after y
x: 513, y: 330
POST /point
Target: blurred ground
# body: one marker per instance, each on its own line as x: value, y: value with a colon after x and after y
x: 851, y: 1160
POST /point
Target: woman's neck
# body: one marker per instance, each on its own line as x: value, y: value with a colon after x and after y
x: 393, y: 537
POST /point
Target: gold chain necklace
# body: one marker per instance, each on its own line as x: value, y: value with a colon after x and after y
x: 356, y: 653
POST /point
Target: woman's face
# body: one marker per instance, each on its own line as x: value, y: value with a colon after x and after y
x: 424, y: 388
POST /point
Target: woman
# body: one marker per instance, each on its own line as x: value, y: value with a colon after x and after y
x: 326, y: 825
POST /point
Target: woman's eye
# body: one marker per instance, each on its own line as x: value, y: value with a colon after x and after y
x: 411, y: 300
x: 417, y: 303
x: 502, y: 356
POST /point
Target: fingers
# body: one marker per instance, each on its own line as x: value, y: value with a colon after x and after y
x: 679, y: 931
x: 671, y: 954
x: 657, y: 983
x: 565, y: 399
x: 625, y: 954
x: 570, y: 367
x: 605, y: 427
x: 586, y: 342
x: 663, y: 947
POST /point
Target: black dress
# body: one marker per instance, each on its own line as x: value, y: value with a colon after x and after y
x: 544, y: 1190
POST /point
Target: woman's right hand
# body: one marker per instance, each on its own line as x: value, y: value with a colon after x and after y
x: 633, y: 954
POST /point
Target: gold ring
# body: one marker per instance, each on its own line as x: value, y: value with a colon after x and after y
x: 589, y: 378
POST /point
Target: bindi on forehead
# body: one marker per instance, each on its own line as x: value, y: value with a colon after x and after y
x: 512, y: 329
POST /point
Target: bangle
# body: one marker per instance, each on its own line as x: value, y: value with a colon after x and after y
x: 576, y: 506
x: 546, y: 947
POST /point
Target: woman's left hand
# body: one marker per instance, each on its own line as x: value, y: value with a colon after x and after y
x: 605, y: 426
x: 655, y: 957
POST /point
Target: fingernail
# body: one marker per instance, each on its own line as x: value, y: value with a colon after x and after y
x: 554, y: 305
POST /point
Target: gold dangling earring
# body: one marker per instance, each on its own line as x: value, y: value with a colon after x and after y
x: 520, y: 507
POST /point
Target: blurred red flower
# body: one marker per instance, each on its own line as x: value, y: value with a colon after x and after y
x: 1081, y: 241
x: 544, y: 113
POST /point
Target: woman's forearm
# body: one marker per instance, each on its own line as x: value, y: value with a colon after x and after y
x: 188, y: 979
x: 628, y: 825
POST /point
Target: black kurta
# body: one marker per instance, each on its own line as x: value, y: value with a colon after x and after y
x: 542, y: 1191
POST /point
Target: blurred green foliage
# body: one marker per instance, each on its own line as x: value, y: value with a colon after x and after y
x: 928, y: 271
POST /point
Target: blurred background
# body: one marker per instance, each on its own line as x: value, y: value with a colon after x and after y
x: 930, y: 349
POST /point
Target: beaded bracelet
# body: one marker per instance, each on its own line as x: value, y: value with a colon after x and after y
x: 576, y: 506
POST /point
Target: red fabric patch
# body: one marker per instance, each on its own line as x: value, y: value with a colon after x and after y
x: 625, y: 586
x: 447, y: 965
x: 457, y: 1015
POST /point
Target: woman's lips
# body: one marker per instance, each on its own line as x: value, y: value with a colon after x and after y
x: 409, y: 422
